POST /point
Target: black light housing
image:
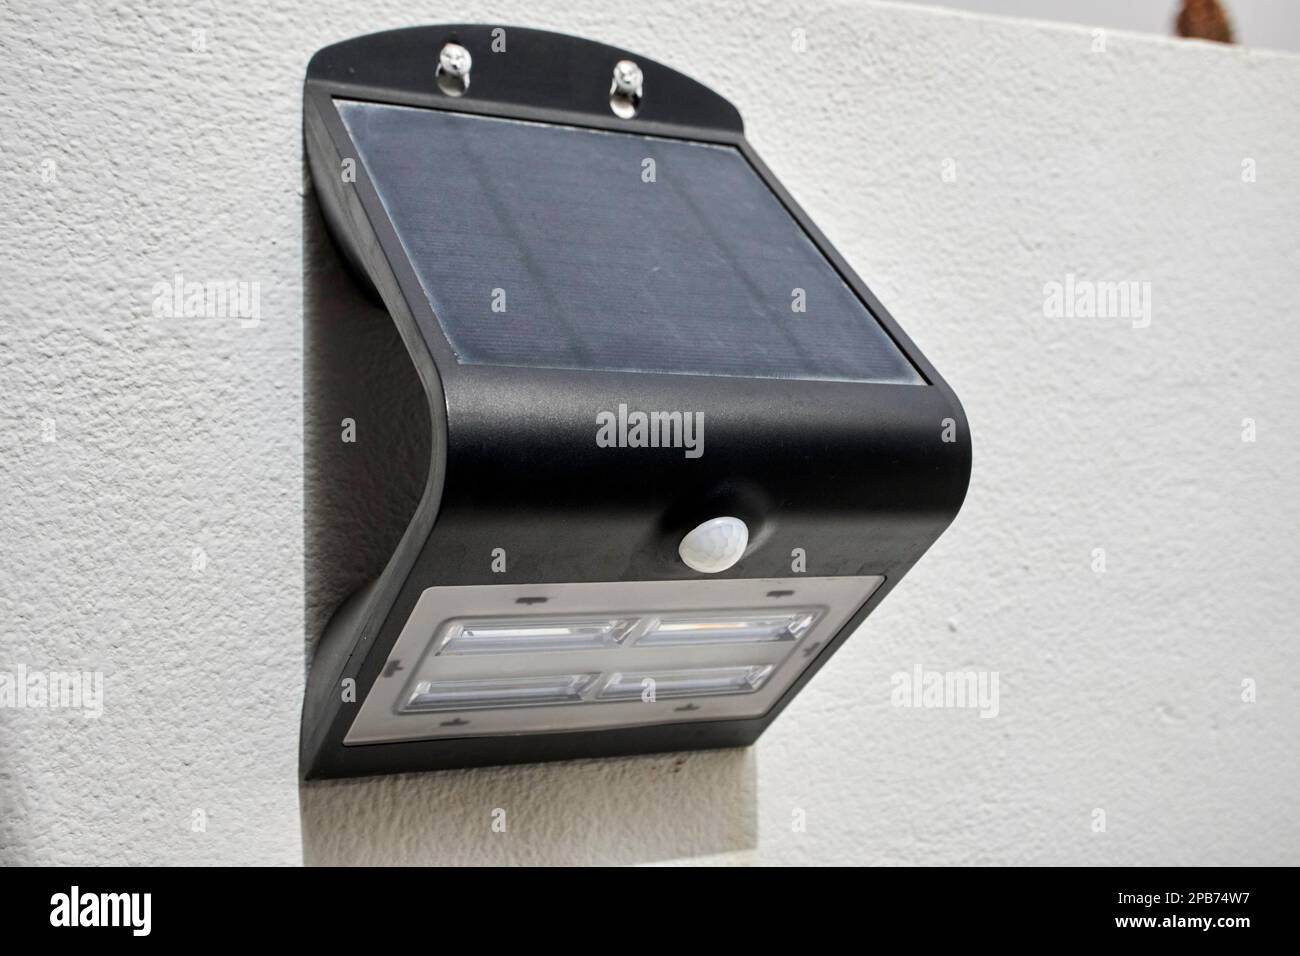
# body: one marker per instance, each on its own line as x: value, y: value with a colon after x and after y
x: 679, y: 450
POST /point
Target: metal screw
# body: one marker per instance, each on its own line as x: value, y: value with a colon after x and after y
x: 627, y: 78
x: 625, y: 90
x: 454, y: 63
x: 455, y: 59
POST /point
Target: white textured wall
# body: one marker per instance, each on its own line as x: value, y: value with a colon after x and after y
x: 1119, y: 690
x: 1272, y: 24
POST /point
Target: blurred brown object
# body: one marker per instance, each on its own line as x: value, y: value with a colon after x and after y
x: 1204, y: 20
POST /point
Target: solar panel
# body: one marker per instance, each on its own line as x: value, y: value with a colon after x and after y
x: 554, y: 246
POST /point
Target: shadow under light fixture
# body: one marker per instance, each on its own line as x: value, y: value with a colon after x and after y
x: 679, y: 450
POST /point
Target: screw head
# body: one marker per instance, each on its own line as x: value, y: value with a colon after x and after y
x: 627, y: 78
x: 454, y: 59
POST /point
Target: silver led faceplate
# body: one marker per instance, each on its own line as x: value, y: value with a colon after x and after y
x: 604, y: 655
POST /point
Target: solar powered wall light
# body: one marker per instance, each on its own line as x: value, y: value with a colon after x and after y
x: 679, y: 451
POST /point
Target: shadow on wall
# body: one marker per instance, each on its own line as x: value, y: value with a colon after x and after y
x: 362, y: 479
x: 358, y: 497
x: 629, y: 810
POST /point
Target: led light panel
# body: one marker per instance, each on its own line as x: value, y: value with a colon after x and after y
x: 586, y: 656
x: 734, y: 628
x: 528, y: 636
x: 501, y: 692
x: 697, y: 682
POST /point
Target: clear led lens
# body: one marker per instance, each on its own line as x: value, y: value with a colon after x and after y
x: 498, y: 692
x: 738, y: 627
x: 698, y: 682
x: 519, y: 636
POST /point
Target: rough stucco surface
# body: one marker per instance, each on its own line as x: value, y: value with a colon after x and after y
x: 1120, y: 691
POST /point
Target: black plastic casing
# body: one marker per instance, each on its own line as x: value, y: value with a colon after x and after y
x: 862, y: 477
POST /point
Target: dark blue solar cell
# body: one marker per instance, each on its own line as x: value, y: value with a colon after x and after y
x: 558, y: 247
